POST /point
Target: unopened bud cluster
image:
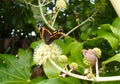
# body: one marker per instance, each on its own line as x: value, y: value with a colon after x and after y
x: 73, y: 65
x: 62, y: 59
x: 91, y: 56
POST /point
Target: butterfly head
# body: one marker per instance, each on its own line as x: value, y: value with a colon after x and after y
x: 39, y: 26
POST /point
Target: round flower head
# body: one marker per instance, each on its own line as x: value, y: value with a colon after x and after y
x: 43, y: 51
x: 61, y: 5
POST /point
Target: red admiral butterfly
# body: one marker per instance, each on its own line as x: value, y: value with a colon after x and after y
x: 47, y: 35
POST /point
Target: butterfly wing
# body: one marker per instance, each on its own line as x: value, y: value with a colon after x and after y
x: 47, y: 35
x: 54, y: 36
x: 50, y: 37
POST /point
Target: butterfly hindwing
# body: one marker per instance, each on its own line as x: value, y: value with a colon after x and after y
x: 54, y: 36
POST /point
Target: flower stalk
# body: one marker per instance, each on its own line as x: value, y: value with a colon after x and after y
x: 97, y: 79
x: 43, y: 17
x: 54, y: 19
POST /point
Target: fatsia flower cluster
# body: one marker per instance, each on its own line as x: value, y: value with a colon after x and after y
x: 43, y: 52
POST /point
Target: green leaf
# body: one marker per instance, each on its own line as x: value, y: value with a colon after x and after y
x: 93, y: 42
x: 34, y: 44
x: 74, y: 53
x: 63, y: 43
x: 106, y: 33
x: 116, y: 23
x: 25, y: 54
x: 68, y: 40
x: 84, y: 36
x: 84, y: 28
x: 15, y: 70
x: 37, y: 79
x: 68, y: 80
x: 69, y: 24
x: 114, y: 58
x: 50, y: 70
x: 116, y: 31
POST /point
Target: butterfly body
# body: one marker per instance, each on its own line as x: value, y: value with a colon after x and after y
x: 48, y: 36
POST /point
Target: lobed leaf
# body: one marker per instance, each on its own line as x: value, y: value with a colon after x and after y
x: 116, y: 23
x: 114, y: 58
x: 34, y: 44
x: 106, y: 33
x: 15, y: 70
x: 74, y: 53
x: 50, y: 70
x: 68, y: 80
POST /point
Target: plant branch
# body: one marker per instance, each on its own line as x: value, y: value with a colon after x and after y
x: 80, y: 24
x: 30, y: 4
x: 55, y: 16
x: 77, y: 26
x: 37, y: 5
x: 66, y: 72
x: 42, y: 15
x: 46, y: 3
x: 51, y: 26
x: 43, y: 1
x: 98, y: 79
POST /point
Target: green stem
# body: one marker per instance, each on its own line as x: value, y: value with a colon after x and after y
x: 80, y: 24
x: 30, y: 4
x: 43, y: 1
x: 97, y: 79
x: 46, y: 3
x: 55, y: 16
x: 42, y: 15
x: 77, y: 26
x: 96, y: 66
x: 90, y: 68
